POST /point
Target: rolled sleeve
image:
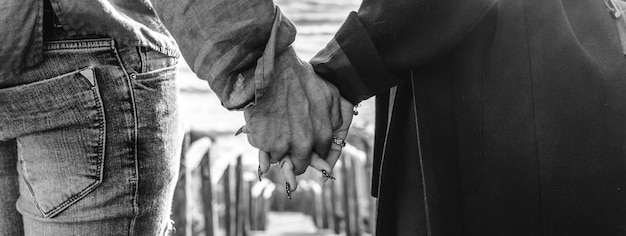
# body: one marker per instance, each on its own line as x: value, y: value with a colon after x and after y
x: 377, y: 47
x: 351, y: 62
x: 232, y: 44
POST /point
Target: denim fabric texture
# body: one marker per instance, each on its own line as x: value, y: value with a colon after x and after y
x: 11, y: 221
x: 95, y: 135
x: 132, y: 22
x: 232, y: 44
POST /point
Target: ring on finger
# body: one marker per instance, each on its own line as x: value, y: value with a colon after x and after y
x: 355, y: 110
x: 339, y: 141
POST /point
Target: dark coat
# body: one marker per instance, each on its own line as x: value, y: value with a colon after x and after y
x: 519, y: 107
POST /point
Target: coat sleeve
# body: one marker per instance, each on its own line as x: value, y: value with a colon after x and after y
x: 232, y: 44
x: 377, y: 46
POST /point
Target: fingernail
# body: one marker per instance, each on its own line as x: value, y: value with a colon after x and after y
x: 239, y: 131
x: 288, y: 190
x: 259, y: 174
x: 327, y: 176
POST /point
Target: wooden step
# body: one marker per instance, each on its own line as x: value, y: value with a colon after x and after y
x: 290, y: 224
x: 265, y: 233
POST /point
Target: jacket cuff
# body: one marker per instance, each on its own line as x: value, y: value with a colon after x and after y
x: 352, y: 63
x: 333, y: 65
x: 281, y: 36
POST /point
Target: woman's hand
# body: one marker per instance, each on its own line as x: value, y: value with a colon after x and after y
x: 325, y: 166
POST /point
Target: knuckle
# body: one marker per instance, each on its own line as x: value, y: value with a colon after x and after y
x: 302, y: 148
x: 277, y: 147
x: 325, y: 135
x: 252, y: 141
x: 281, y: 147
x: 297, y: 145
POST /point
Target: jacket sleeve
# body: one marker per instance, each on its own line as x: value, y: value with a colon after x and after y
x: 377, y: 46
x: 232, y: 44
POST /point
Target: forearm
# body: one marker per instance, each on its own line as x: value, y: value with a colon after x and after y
x: 232, y: 44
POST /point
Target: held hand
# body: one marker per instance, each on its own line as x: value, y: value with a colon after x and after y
x: 325, y: 166
x: 296, y: 116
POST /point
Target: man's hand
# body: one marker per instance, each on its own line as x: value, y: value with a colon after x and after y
x: 295, y: 117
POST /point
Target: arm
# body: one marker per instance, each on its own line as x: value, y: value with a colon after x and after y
x: 242, y: 48
x: 232, y: 44
x: 379, y: 44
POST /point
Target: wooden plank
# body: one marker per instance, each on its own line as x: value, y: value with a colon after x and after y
x: 207, y: 193
x: 179, y: 203
x: 239, y: 199
x: 193, y: 157
x: 227, y: 202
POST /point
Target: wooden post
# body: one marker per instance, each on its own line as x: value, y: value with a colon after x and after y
x: 355, y: 198
x: 336, y: 200
x: 207, y: 196
x: 318, y: 203
x: 227, y: 202
x: 179, y: 215
x: 346, y: 196
x: 327, y: 203
x: 239, y: 200
x: 268, y: 195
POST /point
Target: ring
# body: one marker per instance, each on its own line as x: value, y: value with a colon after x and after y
x: 339, y: 142
x: 354, y: 109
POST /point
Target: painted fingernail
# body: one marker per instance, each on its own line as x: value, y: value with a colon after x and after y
x: 239, y: 131
x: 288, y: 190
x: 327, y: 176
x: 259, y: 174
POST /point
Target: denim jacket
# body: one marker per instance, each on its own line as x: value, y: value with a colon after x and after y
x: 232, y: 44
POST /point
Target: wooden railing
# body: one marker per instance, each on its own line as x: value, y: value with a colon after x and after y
x: 219, y: 195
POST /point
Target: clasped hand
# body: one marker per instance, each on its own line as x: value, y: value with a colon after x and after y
x: 296, y: 119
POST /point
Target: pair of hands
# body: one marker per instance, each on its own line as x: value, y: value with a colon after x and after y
x: 296, y: 120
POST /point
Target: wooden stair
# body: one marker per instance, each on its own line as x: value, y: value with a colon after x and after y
x: 290, y: 224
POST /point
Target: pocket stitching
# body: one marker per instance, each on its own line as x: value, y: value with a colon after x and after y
x: 100, y: 161
x: 48, y: 80
x: 167, y: 70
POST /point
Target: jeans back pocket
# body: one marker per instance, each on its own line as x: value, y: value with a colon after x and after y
x: 60, y: 129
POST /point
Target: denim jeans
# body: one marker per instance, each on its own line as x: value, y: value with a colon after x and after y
x: 89, y: 140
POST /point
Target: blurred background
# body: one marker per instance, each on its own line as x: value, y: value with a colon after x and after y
x: 218, y: 192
